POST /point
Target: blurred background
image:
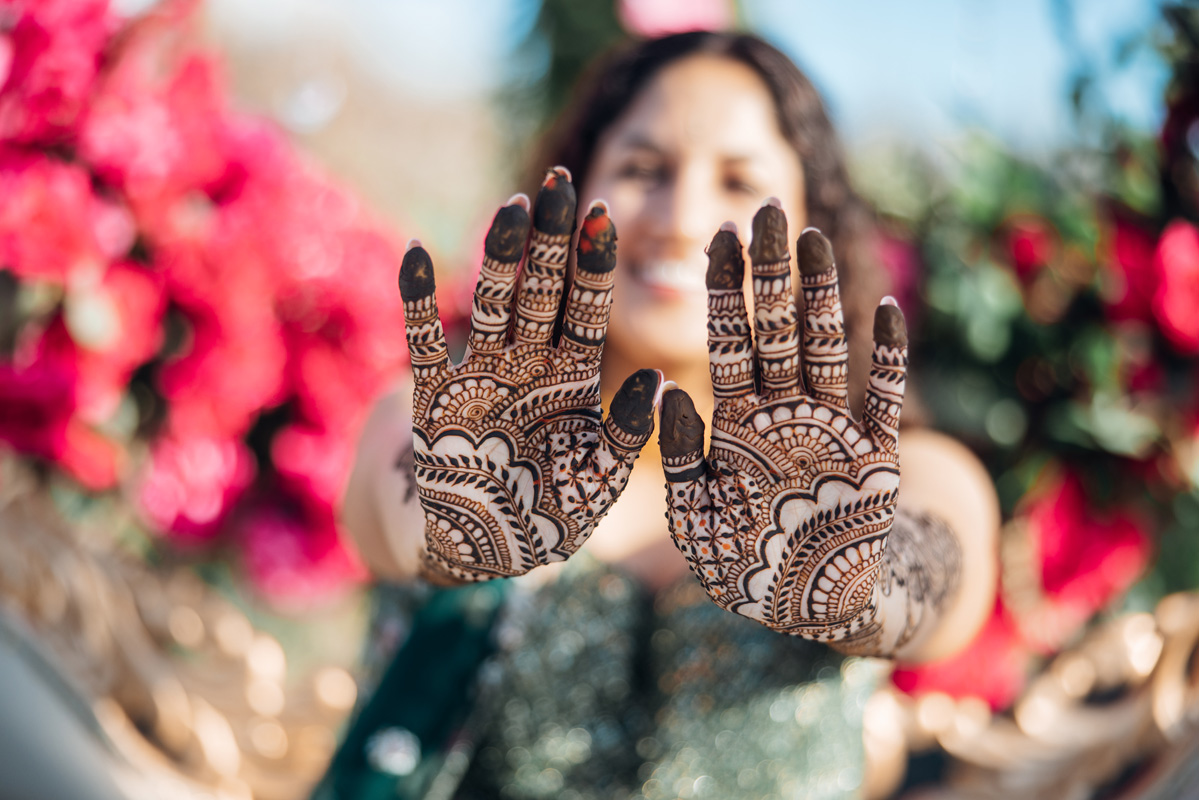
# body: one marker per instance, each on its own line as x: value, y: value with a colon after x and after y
x: 205, y: 206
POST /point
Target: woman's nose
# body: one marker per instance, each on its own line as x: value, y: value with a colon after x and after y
x: 686, y: 210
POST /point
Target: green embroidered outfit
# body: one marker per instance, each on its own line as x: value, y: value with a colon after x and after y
x: 587, y: 687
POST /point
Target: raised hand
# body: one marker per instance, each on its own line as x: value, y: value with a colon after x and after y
x: 513, y: 465
x: 787, y: 519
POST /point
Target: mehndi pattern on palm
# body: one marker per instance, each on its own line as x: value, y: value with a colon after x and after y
x: 514, y: 464
x: 786, y: 520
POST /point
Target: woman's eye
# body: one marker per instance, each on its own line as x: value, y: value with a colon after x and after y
x: 741, y: 187
x: 645, y: 173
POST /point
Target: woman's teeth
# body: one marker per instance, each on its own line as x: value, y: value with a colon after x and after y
x: 678, y: 276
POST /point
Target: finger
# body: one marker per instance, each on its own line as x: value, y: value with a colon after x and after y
x: 730, y: 343
x: 825, y: 348
x: 426, y: 341
x: 590, y: 301
x: 630, y: 420
x: 540, y: 291
x: 689, y: 508
x: 775, y: 319
x: 491, y: 309
x: 888, y: 371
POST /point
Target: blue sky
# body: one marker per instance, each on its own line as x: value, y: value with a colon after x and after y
x: 914, y: 70
x: 928, y: 68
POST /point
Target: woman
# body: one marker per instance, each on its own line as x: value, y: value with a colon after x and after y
x: 661, y: 690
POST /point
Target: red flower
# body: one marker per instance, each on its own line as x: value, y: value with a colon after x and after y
x: 995, y: 666
x: 294, y: 553
x: 191, y: 483
x: 52, y: 227
x: 1030, y: 242
x: 1176, y: 299
x: 50, y: 58
x: 116, y: 324
x: 157, y: 138
x: 1131, y: 280
x: 38, y: 410
x: 1088, y: 558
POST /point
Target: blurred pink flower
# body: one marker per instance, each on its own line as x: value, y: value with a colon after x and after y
x: 155, y: 129
x: 1088, y: 558
x: 994, y: 666
x: 316, y: 463
x: 50, y: 220
x: 1030, y: 242
x: 191, y: 483
x: 38, y: 410
x: 116, y: 324
x: 652, y: 18
x: 294, y: 554
x: 50, y: 57
x: 1130, y: 276
x: 1176, y: 299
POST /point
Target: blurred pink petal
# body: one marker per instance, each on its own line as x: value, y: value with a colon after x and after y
x: 652, y: 18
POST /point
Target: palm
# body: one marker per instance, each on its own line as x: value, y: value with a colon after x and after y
x: 513, y: 463
x: 786, y: 520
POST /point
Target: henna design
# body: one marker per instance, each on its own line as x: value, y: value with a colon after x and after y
x: 513, y: 465
x: 405, y: 464
x: 787, y: 519
x: 918, y: 577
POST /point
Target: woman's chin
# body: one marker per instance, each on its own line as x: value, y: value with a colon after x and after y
x: 660, y: 335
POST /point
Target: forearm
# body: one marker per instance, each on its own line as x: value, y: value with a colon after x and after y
x: 918, y: 581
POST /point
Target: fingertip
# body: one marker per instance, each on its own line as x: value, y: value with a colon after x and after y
x: 554, y: 209
x: 509, y: 230
x: 773, y: 202
x: 730, y: 226
x: 597, y: 241
x: 416, y: 274
x: 682, y: 430
x: 769, y: 242
x: 890, y: 328
x: 726, y: 264
x: 411, y: 244
x: 633, y: 405
x: 814, y: 252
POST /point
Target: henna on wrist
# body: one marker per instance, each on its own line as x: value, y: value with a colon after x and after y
x: 917, y: 580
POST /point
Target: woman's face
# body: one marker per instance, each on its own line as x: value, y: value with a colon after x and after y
x: 700, y: 145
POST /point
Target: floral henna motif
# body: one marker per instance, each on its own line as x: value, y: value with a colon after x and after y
x: 787, y: 519
x: 514, y: 466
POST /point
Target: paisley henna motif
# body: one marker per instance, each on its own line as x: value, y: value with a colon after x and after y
x: 787, y: 519
x: 514, y: 466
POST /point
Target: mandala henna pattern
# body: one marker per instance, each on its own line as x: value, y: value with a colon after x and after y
x: 514, y: 464
x: 788, y: 518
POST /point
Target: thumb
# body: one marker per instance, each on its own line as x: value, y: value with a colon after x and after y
x: 681, y: 438
x: 631, y: 417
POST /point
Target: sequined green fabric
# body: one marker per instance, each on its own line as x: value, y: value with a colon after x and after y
x: 601, y: 691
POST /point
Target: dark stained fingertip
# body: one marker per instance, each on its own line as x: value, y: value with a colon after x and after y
x: 726, y: 264
x: 416, y: 275
x: 814, y: 253
x: 769, y: 243
x: 554, y: 209
x: 682, y: 429
x: 633, y: 405
x: 506, y: 237
x: 889, y: 326
x: 597, y: 242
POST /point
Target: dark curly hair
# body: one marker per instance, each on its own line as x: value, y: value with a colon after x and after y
x: 611, y: 84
